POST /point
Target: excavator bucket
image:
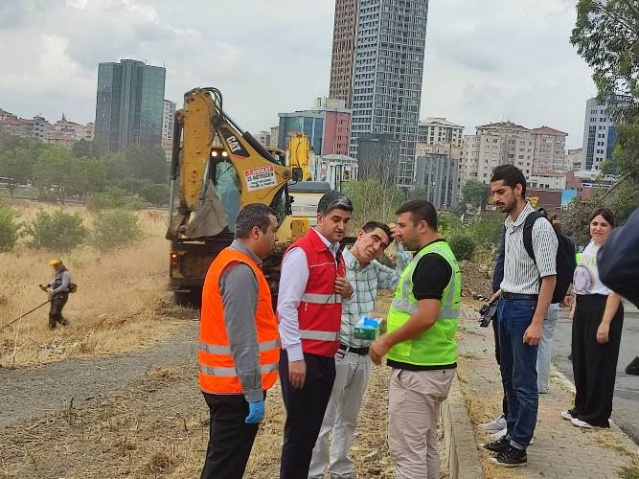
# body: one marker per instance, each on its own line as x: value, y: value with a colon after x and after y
x: 210, y: 219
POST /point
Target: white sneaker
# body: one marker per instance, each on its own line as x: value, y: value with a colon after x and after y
x: 580, y: 423
x: 566, y: 415
x: 496, y: 436
x: 496, y: 425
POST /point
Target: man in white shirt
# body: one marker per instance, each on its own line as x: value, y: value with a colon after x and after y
x: 309, y: 309
x: 524, y: 297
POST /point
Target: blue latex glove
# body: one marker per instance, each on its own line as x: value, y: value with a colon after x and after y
x: 256, y: 412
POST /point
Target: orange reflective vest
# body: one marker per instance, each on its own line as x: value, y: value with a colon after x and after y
x: 217, y: 373
x: 320, y: 310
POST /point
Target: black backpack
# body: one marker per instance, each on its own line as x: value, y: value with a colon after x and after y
x: 566, y: 259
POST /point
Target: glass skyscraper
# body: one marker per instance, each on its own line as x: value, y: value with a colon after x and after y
x: 130, y: 105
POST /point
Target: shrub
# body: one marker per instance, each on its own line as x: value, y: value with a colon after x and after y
x: 60, y: 231
x: 487, y: 230
x: 111, y: 198
x: 157, y: 195
x: 115, y: 229
x: 100, y: 202
x: 8, y: 228
x: 463, y: 246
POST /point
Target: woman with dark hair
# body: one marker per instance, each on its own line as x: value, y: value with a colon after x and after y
x: 597, y: 315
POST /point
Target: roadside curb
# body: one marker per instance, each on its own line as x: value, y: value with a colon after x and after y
x: 458, y: 442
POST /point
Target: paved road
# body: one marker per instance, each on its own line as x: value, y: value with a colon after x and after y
x: 626, y: 403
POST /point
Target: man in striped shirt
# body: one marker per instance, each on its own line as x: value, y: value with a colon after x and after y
x: 352, y: 363
x: 524, y: 297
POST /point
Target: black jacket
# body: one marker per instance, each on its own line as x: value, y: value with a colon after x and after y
x: 618, y: 260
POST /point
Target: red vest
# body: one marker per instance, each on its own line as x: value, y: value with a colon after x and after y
x: 217, y: 372
x: 320, y: 311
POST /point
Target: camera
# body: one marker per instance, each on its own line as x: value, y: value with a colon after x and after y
x: 487, y: 312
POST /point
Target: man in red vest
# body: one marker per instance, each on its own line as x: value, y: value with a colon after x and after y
x: 239, y: 343
x: 309, y: 310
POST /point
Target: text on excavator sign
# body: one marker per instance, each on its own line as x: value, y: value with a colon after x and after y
x: 259, y: 178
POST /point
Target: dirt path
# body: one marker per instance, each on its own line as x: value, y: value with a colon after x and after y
x: 141, y: 415
x: 27, y: 393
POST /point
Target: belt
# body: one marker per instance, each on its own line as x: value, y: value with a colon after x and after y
x: 360, y: 351
x: 517, y: 296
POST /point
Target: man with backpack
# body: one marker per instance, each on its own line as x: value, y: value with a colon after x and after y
x: 525, y: 294
x: 566, y: 264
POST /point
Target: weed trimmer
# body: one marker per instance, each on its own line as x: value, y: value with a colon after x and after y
x: 23, y: 315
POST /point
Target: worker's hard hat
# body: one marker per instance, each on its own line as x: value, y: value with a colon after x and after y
x: 53, y: 262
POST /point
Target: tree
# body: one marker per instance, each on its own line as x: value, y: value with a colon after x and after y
x: 51, y: 173
x: 59, y: 231
x: 9, y: 228
x: 606, y: 35
x: 147, y: 163
x: 83, y: 149
x: 372, y: 202
x: 157, y: 195
x: 115, y: 229
x: 474, y: 192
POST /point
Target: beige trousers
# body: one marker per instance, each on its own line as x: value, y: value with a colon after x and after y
x: 414, y: 399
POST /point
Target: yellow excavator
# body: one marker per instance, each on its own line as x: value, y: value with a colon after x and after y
x: 216, y: 169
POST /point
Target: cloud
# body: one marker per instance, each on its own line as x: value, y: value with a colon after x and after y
x: 499, y: 60
x: 485, y: 60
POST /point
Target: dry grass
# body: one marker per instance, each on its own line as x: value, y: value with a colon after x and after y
x: 122, y: 301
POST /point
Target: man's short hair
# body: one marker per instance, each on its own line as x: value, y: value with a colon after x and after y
x: 421, y: 210
x: 511, y: 176
x: 252, y: 215
x: 373, y: 225
x: 334, y: 200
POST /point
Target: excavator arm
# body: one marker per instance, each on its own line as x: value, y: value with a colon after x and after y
x: 208, y: 143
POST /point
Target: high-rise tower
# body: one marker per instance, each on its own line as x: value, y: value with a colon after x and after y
x: 344, y: 30
x: 386, y: 73
x: 130, y: 105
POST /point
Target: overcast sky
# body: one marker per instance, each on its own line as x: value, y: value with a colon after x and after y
x: 486, y: 60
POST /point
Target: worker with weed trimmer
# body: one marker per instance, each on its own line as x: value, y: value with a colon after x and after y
x: 61, y: 286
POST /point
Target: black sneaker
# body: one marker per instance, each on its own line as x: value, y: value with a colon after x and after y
x: 512, y: 457
x: 498, y: 446
x: 633, y: 367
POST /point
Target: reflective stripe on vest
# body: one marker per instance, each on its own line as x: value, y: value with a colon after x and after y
x: 231, y: 372
x: 316, y: 298
x: 217, y: 349
x: 318, y: 335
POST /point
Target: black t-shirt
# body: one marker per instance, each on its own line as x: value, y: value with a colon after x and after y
x: 431, y: 276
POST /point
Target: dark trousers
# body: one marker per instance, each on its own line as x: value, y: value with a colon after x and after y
x: 230, y: 438
x: 504, y: 402
x: 305, y: 410
x: 594, y: 365
x: 518, y: 368
x: 55, y: 310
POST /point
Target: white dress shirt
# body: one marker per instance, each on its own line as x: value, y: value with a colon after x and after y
x: 293, y: 282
